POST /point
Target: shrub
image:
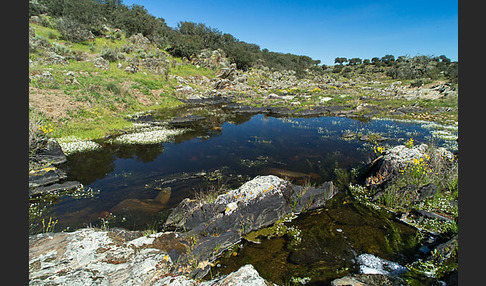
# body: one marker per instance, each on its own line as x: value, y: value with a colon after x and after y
x: 73, y: 31
x: 111, y: 54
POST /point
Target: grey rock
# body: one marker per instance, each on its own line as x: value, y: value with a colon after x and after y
x: 245, y: 276
x: 101, y: 63
x: 50, y: 153
x: 386, y: 167
x: 94, y: 257
x: 56, y: 188
x: 432, y: 215
x: 256, y: 204
x: 45, y: 177
x: 367, y: 280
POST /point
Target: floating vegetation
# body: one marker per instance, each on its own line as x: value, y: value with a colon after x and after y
x: 149, y: 135
x: 71, y: 145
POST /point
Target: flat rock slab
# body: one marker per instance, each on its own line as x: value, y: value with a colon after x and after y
x: 45, y: 176
x: 94, y: 257
x: 186, y: 120
x: 55, y: 188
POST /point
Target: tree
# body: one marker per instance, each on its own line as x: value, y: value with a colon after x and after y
x: 376, y: 61
x: 355, y: 61
x: 340, y: 60
x: 388, y: 60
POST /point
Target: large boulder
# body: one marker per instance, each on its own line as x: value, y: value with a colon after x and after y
x: 50, y: 152
x: 259, y: 203
x: 387, y: 166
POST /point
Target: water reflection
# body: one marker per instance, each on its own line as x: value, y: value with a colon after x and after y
x: 302, y: 150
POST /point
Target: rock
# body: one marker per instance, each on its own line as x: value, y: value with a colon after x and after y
x: 426, y: 191
x: 146, y: 205
x: 94, y: 257
x: 432, y: 215
x: 101, y: 63
x: 227, y: 73
x: 54, y: 59
x: 347, y: 281
x: 348, y: 135
x: 186, y: 121
x: 256, y: 204
x: 373, y: 138
x: 50, y: 153
x: 117, y: 257
x: 370, y: 264
x: 367, y: 280
x: 184, y: 89
x: 386, y: 167
x: 245, y: 276
x: 56, y: 188
x: 45, y: 176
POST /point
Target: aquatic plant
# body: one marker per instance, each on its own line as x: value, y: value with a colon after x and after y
x: 71, y: 145
x: 49, y: 227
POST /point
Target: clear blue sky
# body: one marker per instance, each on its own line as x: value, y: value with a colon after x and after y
x: 324, y: 30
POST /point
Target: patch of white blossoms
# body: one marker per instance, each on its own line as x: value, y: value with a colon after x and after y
x: 148, y: 134
x: 71, y: 145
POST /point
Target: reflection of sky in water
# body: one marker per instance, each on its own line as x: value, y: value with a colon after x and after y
x: 259, y: 146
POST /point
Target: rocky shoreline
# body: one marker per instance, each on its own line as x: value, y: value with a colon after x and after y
x: 198, y: 231
x: 92, y: 256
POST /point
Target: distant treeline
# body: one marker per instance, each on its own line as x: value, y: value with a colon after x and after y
x: 74, y: 18
x: 404, y: 67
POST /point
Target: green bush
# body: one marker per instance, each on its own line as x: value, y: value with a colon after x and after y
x: 71, y: 30
x: 111, y: 54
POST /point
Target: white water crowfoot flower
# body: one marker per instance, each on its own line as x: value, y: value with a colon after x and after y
x: 149, y: 135
x: 71, y: 145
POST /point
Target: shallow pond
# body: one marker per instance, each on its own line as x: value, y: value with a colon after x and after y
x: 135, y: 186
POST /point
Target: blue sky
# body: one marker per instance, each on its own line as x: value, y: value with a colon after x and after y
x: 325, y: 29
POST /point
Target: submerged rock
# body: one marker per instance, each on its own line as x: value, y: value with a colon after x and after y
x: 145, y: 205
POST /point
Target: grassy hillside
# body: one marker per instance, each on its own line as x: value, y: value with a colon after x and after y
x: 86, y: 88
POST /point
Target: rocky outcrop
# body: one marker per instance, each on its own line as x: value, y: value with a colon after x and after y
x: 117, y: 257
x: 256, y: 204
x: 101, y: 63
x: 48, y: 178
x: 388, y: 165
x: 94, y: 257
